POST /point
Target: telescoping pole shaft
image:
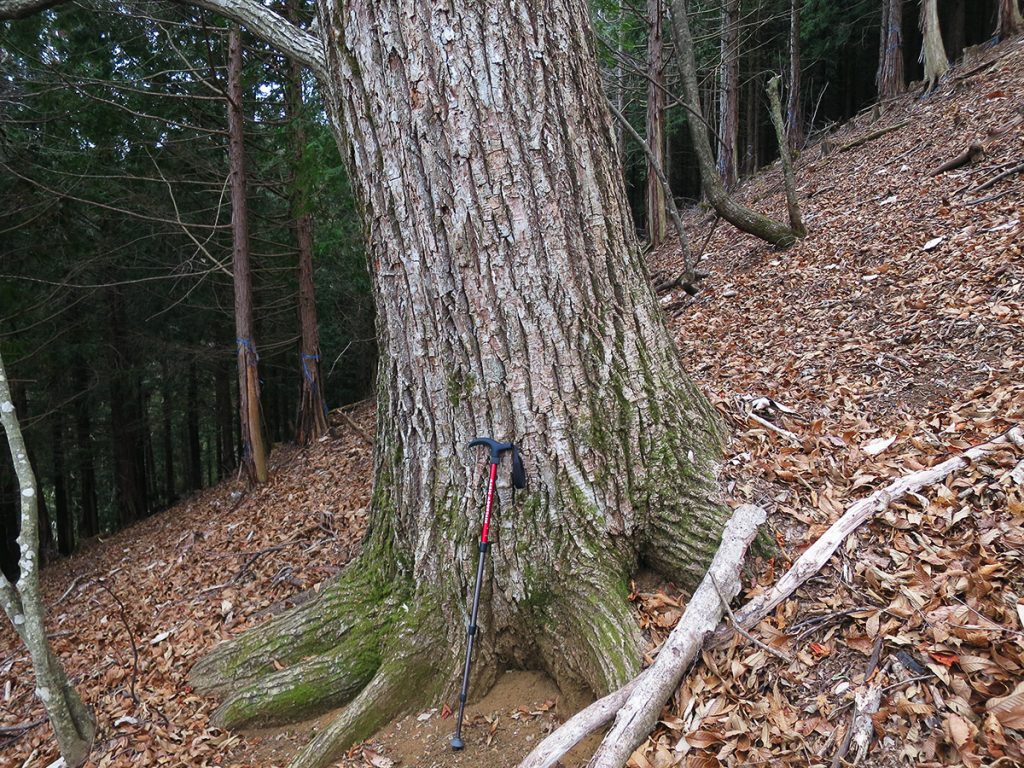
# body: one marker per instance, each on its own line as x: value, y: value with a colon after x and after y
x: 457, y: 742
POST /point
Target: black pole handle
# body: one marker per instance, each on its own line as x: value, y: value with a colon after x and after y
x: 494, y: 446
x: 496, y: 449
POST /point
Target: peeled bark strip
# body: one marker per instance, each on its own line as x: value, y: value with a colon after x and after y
x: 703, y: 613
x: 815, y: 556
x: 23, y: 603
x: 728, y: 208
x: 796, y: 222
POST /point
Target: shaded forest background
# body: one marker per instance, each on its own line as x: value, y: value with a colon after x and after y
x: 116, y: 309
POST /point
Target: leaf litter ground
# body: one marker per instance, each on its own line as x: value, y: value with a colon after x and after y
x: 889, y: 339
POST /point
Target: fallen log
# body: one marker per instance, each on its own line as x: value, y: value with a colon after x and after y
x: 640, y: 701
x: 872, y: 136
x: 969, y: 155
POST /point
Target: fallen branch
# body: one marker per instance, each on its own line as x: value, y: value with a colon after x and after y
x: 997, y: 178
x: 872, y: 136
x: 350, y: 422
x: 703, y: 613
x: 969, y: 155
x: 815, y: 556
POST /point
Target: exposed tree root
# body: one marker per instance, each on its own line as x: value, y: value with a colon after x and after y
x: 352, y: 605
x: 310, y: 687
x: 406, y: 680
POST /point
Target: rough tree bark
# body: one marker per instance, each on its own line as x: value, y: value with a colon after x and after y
x: 312, y: 417
x: 254, y: 456
x: 794, y: 112
x: 23, y: 603
x: 933, y: 53
x: 657, y: 223
x: 728, y: 93
x: 728, y: 208
x: 889, y: 78
x: 1009, y: 21
x: 512, y: 301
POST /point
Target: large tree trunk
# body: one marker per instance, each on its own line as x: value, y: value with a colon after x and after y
x: 254, y: 455
x: 512, y: 302
x: 725, y: 204
x: 729, y: 93
x: 657, y: 221
x: 890, y: 79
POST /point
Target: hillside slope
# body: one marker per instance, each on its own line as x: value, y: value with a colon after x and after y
x: 871, y: 329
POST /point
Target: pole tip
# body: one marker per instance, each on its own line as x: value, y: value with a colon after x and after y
x: 457, y: 744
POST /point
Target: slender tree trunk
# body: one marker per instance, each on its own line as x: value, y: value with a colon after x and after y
x: 890, y: 79
x: 794, y: 113
x: 254, y: 458
x: 8, y: 520
x: 513, y: 302
x: 61, y: 508
x: 956, y: 22
x: 656, y: 216
x: 147, y: 459
x: 728, y: 94
x: 129, y: 484
x: 23, y: 603
x: 792, y: 201
x: 88, y: 504
x: 312, y: 415
x: 167, y: 414
x: 194, y: 447
x: 933, y: 53
x: 225, y: 420
x: 728, y: 208
x: 1009, y: 21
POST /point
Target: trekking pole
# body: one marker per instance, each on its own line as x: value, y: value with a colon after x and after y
x: 518, y: 481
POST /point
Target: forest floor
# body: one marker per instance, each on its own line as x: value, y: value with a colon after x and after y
x: 890, y: 338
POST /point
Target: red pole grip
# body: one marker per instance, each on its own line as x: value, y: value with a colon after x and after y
x: 490, y: 501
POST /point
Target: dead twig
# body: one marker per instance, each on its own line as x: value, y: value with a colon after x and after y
x: 131, y: 637
x: 998, y: 177
x: 872, y: 136
x: 744, y: 633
